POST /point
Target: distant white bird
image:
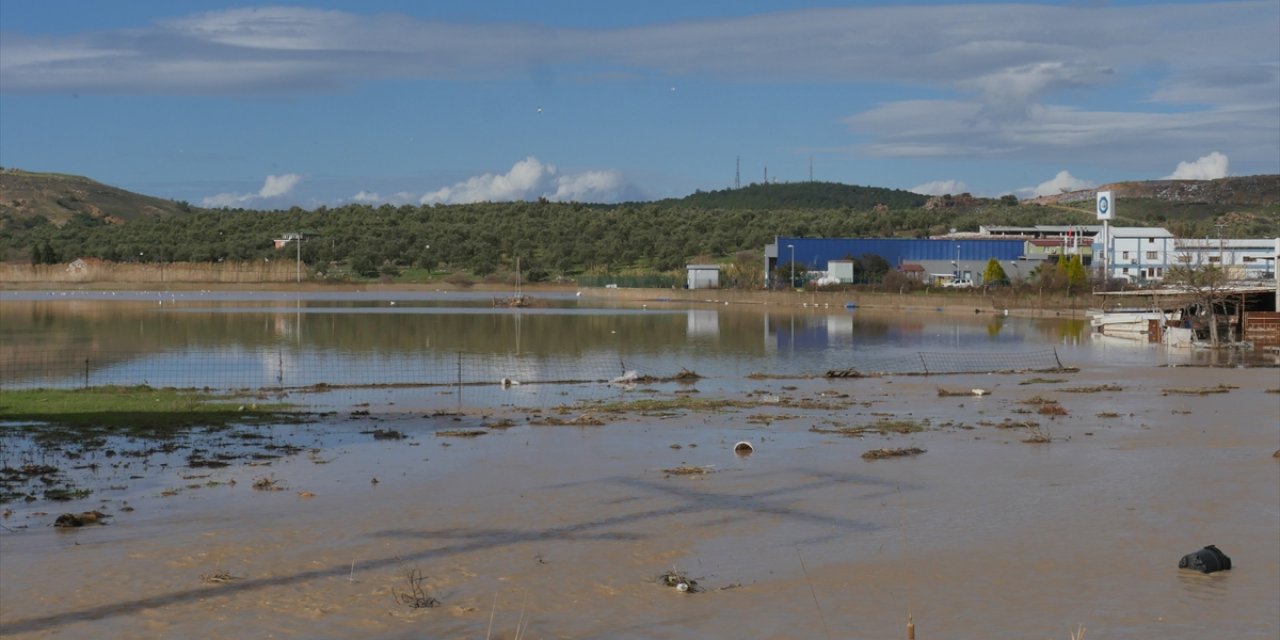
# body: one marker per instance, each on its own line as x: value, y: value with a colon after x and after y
x: 980, y: 392
x: 539, y: 109
x: 393, y: 303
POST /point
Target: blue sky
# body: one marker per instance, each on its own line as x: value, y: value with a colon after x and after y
x: 327, y: 103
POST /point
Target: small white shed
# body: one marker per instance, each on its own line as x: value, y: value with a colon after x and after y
x: 703, y: 276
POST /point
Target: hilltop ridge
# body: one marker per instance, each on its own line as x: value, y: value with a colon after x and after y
x: 58, y: 198
x: 1243, y: 190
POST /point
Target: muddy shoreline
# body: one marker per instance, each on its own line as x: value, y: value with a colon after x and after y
x: 568, y: 525
x: 1005, y: 301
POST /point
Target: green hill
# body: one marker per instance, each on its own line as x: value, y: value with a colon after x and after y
x: 26, y: 197
x: 801, y: 195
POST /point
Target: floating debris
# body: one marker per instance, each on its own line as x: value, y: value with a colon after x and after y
x: 1206, y: 560
x: 1200, y: 391
x: 1043, y: 381
x: 1039, y: 400
x: 880, y: 454
x: 687, y: 470
x: 584, y: 420
x: 72, y: 520
x: 1052, y: 409
x: 461, y: 433
x: 267, y: 483
x: 679, y: 581
x: 1094, y: 389
x: 881, y: 427
x: 946, y: 393
x: 217, y: 577
x: 416, y: 597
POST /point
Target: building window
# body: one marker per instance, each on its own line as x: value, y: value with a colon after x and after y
x: 1125, y: 271
x: 1124, y: 255
x: 1184, y: 259
x: 1151, y: 240
x: 1214, y: 259
x: 1152, y: 255
x: 1249, y: 259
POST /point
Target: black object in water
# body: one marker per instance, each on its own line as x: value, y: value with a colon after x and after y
x: 1206, y: 560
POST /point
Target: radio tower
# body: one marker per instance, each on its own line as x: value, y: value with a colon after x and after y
x: 737, y: 173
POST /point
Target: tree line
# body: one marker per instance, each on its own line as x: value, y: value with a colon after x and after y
x: 551, y: 239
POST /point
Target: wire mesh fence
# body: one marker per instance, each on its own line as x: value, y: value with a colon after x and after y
x: 446, y: 378
x: 940, y: 363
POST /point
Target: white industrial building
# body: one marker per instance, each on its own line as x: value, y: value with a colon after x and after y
x: 1243, y: 259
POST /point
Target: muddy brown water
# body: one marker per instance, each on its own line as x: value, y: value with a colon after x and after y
x: 562, y: 531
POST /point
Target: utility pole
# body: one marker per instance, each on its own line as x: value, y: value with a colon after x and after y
x: 1220, y: 225
x: 737, y: 173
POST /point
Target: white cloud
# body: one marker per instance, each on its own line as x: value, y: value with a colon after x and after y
x: 1060, y: 183
x: 590, y: 186
x: 272, y: 187
x: 998, y: 50
x: 940, y: 188
x: 1014, y: 78
x: 1208, y: 167
x: 373, y: 197
x: 530, y: 179
x: 1133, y: 141
x: 1010, y: 92
x: 279, y: 185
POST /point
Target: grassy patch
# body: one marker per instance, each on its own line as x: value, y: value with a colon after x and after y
x: 140, y: 410
x: 1039, y: 400
x: 882, y: 427
x: 1200, y: 391
x: 1094, y: 389
x: 687, y: 470
x: 679, y: 403
x: 881, y: 454
x: 1042, y: 381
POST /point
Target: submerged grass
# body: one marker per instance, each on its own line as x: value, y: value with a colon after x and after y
x: 1200, y: 391
x: 882, y: 427
x: 138, y: 411
x: 127, y: 405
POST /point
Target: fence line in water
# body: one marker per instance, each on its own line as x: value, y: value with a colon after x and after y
x: 522, y: 379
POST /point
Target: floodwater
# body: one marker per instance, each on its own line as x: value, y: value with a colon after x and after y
x: 562, y: 531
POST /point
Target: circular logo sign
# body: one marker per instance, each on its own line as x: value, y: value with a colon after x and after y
x: 1103, y: 205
